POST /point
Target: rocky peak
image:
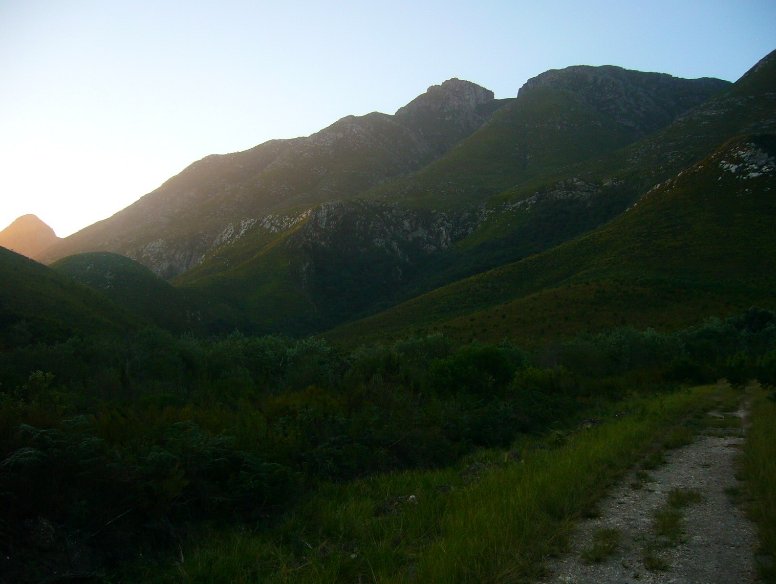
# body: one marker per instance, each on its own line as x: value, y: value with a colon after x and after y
x: 452, y: 96
x: 641, y: 101
x: 446, y: 113
x: 28, y: 235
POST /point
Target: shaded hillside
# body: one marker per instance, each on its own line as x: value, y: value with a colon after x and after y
x: 699, y: 244
x: 328, y: 265
x: 172, y: 228
x: 38, y: 304
x: 139, y: 291
x: 29, y: 236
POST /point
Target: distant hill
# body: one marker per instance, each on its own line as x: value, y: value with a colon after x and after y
x: 29, y: 236
x: 142, y: 293
x: 38, y: 304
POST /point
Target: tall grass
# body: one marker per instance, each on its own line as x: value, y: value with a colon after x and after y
x: 500, y: 530
x: 491, y: 519
x: 760, y: 471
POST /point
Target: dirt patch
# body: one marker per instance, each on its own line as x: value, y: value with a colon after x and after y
x: 717, y: 542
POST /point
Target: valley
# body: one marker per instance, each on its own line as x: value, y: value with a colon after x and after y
x: 410, y: 347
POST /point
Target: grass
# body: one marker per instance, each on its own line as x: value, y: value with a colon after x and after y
x: 668, y: 527
x: 760, y: 475
x: 653, y: 460
x: 639, y: 478
x: 653, y: 561
x: 682, y: 498
x: 678, y: 437
x: 440, y: 526
x: 726, y: 424
x: 669, y: 519
x: 604, y: 544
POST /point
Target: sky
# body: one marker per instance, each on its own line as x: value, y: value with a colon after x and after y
x: 101, y: 101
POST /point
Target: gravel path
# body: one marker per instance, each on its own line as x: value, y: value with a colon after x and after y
x: 719, y: 542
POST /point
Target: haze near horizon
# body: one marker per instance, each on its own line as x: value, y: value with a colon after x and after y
x: 105, y: 102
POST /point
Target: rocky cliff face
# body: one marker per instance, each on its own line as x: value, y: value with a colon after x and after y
x: 29, y: 236
x: 350, y: 257
x: 357, y: 226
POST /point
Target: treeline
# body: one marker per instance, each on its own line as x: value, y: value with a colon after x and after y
x: 118, y: 446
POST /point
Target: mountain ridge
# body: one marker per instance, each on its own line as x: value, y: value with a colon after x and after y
x: 350, y: 155
x: 304, y: 234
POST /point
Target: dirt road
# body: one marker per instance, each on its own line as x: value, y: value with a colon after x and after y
x: 630, y: 542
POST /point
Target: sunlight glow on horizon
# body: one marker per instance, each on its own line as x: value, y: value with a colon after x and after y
x: 103, y: 102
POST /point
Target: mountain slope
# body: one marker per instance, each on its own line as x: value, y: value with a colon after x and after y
x: 139, y: 291
x: 171, y: 229
x: 38, y: 304
x: 559, y: 117
x: 283, y: 239
x: 344, y: 259
x: 324, y: 266
x: 545, y: 211
x: 700, y: 244
x: 29, y: 236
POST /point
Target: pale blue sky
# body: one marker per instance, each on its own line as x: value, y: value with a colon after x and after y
x: 101, y: 101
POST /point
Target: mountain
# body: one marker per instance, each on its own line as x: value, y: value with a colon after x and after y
x: 220, y: 197
x: 558, y: 118
x: 29, y: 236
x: 305, y: 271
x: 38, y: 304
x: 298, y: 236
x: 538, y: 213
x: 699, y: 244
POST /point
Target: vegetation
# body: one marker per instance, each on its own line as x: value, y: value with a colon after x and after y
x: 138, y: 290
x: 657, y: 265
x: 760, y: 474
x: 668, y: 519
x: 668, y: 528
x: 40, y: 305
x: 147, y: 443
x: 604, y: 544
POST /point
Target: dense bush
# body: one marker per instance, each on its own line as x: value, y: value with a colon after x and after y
x: 125, y: 437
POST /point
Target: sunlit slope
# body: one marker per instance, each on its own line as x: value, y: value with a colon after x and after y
x: 28, y: 235
x: 700, y: 244
x: 38, y: 304
x: 171, y: 229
